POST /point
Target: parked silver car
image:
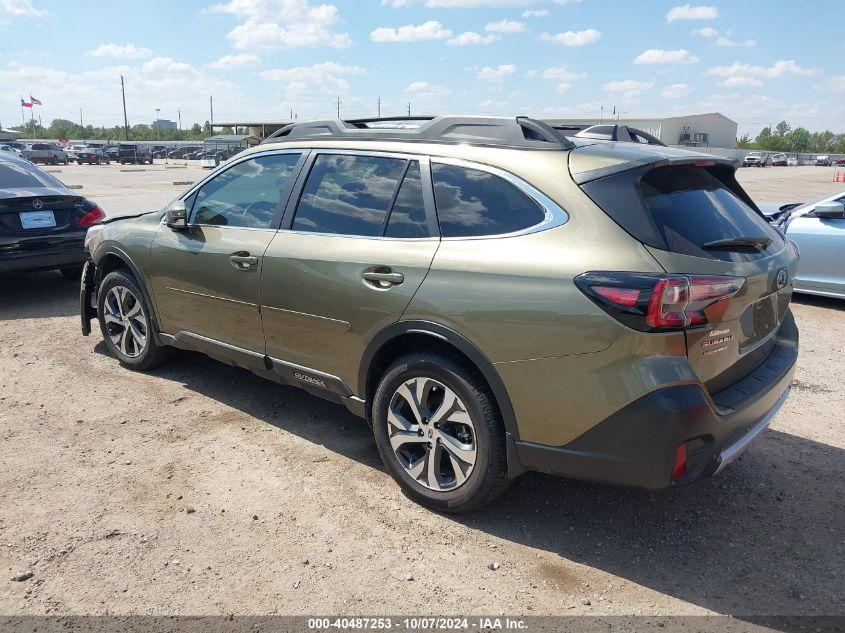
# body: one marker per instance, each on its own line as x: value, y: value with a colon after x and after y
x: 818, y: 229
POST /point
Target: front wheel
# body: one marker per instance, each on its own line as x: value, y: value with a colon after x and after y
x: 440, y: 433
x: 126, y: 323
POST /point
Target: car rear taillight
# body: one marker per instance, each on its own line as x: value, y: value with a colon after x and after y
x: 649, y: 302
x: 92, y: 217
x: 679, y: 469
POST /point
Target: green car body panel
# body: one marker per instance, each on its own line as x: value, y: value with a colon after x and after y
x: 560, y: 365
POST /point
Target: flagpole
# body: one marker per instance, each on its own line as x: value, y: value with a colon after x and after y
x: 23, y: 120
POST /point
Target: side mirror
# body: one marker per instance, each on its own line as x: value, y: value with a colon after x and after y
x: 830, y: 210
x: 177, y: 216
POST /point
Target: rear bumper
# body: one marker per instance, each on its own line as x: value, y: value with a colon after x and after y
x: 69, y: 252
x: 636, y: 446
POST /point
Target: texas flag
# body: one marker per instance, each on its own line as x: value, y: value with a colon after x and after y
x: 26, y: 104
x: 34, y: 101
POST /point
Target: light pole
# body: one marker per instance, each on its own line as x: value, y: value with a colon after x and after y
x: 158, y: 129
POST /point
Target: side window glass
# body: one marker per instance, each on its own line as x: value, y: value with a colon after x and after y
x: 471, y: 202
x: 407, y: 218
x: 246, y: 195
x: 348, y: 195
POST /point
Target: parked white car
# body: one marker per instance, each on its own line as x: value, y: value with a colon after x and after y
x: 779, y: 160
x: 11, y: 150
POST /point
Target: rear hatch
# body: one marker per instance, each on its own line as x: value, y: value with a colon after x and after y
x: 690, y: 213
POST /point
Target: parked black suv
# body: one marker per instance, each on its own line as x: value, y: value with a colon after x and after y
x: 131, y: 153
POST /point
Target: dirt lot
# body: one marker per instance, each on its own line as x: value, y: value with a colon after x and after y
x: 200, y: 489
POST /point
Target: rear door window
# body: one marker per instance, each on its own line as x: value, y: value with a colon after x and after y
x: 353, y: 195
x: 472, y: 202
x: 407, y: 218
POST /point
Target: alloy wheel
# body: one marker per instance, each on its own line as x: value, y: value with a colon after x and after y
x: 125, y: 321
x: 432, y: 434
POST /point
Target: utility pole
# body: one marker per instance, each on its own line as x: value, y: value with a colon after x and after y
x: 338, y: 107
x: 211, y: 106
x: 125, y: 120
x: 81, y: 127
x: 179, y: 112
x: 379, y: 107
x: 158, y: 128
x: 409, y: 108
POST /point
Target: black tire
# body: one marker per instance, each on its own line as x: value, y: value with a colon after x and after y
x: 152, y: 354
x: 55, y: 160
x: 71, y: 273
x: 488, y: 478
x: 80, y: 162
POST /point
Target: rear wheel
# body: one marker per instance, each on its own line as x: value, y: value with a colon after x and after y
x: 439, y: 433
x: 55, y: 160
x: 126, y: 323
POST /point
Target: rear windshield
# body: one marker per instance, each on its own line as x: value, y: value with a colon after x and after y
x: 14, y: 174
x: 680, y: 209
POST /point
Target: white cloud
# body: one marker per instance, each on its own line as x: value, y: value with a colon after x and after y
x: 689, y: 12
x: 424, y: 89
x: 628, y: 90
x: 661, y: 56
x: 676, y: 91
x: 167, y: 65
x: 277, y: 24
x: 119, y: 51
x: 535, y: 13
x: 232, y: 62
x: 431, y: 30
x: 325, y: 78
x: 165, y: 84
x: 563, y: 87
x: 496, y: 74
x: 707, y: 31
x: 573, y: 38
x: 471, y: 37
x: 10, y: 9
x: 726, y: 42
x: 737, y: 74
x: 560, y: 73
x: 505, y: 26
x: 628, y: 85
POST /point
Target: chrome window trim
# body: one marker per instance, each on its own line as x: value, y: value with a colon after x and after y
x: 554, y: 215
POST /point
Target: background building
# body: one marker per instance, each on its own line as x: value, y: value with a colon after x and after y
x: 711, y: 130
x: 164, y: 124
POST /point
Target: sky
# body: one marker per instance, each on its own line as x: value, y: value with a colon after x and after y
x: 755, y: 62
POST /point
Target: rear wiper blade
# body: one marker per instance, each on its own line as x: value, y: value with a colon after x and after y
x: 739, y: 242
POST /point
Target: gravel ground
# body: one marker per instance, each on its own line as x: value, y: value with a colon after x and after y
x: 201, y: 489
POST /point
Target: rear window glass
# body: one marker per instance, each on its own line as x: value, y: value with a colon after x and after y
x: 682, y: 208
x: 471, y: 202
x: 18, y: 174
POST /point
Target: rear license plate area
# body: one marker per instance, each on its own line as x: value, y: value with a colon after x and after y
x: 37, y: 219
x: 758, y: 321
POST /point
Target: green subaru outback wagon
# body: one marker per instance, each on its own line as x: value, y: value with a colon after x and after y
x: 492, y: 294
